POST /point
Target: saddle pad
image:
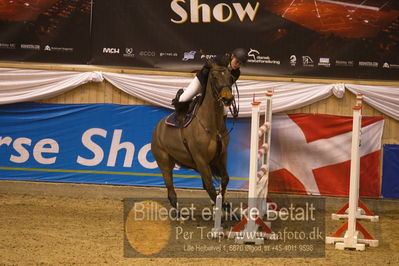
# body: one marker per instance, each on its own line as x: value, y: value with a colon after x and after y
x: 172, y: 120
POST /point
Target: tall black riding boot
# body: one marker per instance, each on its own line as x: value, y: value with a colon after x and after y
x: 181, y: 108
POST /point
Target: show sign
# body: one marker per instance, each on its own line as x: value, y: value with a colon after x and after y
x: 221, y: 12
x: 342, y: 39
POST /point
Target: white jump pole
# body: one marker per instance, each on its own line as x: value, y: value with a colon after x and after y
x: 351, y: 239
x: 258, y: 179
x: 351, y: 235
x: 249, y: 233
x: 217, y: 229
x: 263, y: 174
x: 362, y: 212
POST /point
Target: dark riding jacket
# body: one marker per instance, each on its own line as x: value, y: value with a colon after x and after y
x: 221, y: 60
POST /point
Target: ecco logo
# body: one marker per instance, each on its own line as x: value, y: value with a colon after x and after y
x: 110, y: 50
x: 147, y: 53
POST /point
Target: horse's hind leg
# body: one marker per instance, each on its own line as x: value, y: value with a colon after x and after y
x: 208, y: 186
x: 221, y: 167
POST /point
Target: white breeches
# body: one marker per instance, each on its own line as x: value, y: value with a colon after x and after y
x: 192, y: 89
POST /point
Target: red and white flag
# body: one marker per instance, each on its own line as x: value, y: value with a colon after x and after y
x: 310, y: 154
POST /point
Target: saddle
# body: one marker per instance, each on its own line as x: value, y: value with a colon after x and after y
x: 184, y: 118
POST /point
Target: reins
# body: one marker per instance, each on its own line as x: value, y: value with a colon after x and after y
x: 234, y: 108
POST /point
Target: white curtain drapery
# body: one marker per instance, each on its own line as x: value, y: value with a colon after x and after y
x: 18, y: 85
x: 383, y: 98
x: 159, y: 90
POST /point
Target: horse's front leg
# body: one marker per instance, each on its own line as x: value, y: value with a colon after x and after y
x: 166, y: 163
x: 224, y: 182
x: 206, y: 174
x: 168, y: 180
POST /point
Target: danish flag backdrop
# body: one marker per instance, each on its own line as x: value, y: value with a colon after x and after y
x: 310, y: 153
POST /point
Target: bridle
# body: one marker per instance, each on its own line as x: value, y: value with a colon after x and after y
x: 234, y: 108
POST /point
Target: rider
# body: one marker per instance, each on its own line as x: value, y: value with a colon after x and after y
x: 232, y: 60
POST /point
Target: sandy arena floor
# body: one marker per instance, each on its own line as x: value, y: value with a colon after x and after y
x: 50, y: 224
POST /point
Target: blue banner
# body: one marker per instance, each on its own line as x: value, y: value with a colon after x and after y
x: 390, y: 172
x: 97, y: 143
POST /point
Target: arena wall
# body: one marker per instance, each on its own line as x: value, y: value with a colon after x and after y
x: 104, y: 92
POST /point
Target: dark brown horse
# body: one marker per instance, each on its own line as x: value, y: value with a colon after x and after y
x: 202, y: 145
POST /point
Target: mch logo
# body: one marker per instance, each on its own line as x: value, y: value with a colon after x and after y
x: 111, y: 50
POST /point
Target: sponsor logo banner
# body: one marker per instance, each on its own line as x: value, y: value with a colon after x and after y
x: 282, y: 39
x: 45, y: 31
x: 111, y: 144
x: 91, y: 143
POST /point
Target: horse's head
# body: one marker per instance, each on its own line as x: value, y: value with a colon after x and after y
x: 221, y: 82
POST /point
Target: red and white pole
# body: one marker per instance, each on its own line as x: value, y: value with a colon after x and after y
x: 351, y: 239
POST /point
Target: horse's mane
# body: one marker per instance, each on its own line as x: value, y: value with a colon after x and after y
x: 203, y: 87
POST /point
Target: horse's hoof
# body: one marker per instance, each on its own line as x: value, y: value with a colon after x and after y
x: 182, y: 220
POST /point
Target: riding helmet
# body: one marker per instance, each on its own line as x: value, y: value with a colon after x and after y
x: 241, y: 54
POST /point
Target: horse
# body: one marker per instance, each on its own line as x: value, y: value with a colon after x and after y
x: 202, y: 145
